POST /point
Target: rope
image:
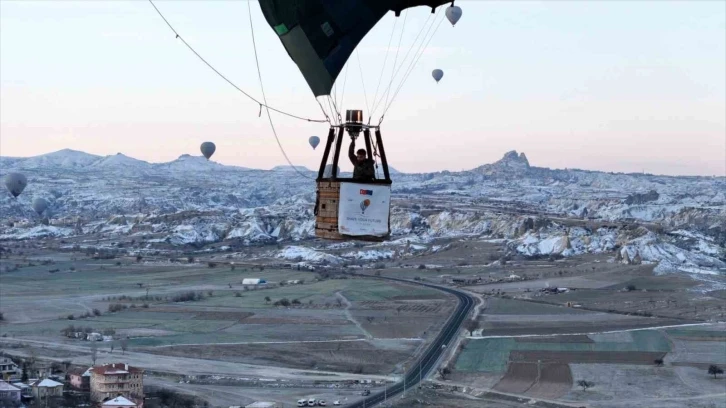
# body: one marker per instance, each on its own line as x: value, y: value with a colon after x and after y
x: 225, y: 78
x: 360, y: 68
x: 383, y: 68
x: 406, y: 71
x: 411, y: 66
x: 345, y: 80
x: 269, y: 117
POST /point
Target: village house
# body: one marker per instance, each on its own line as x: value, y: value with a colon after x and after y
x: 47, y: 388
x: 117, y: 379
x: 80, y: 379
x: 8, y: 368
x: 9, y: 392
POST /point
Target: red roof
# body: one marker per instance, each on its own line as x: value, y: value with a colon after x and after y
x: 116, y: 368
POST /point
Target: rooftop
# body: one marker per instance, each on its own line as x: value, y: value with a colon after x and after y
x: 8, y: 387
x: 118, y: 402
x: 116, y: 368
x: 48, y: 383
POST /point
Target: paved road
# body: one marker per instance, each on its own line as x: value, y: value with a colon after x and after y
x: 433, y: 352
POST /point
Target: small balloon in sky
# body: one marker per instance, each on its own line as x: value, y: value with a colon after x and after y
x: 15, y: 183
x: 208, y: 149
x: 453, y: 14
x: 437, y: 74
x: 39, y: 205
x: 314, y: 141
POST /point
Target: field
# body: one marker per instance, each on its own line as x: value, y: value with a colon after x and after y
x: 349, y: 325
x: 235, y: 343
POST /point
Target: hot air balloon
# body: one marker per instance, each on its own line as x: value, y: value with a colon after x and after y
x: 314, y: 140
x: 453, y: 13
x: 437, y: 74
x: 208, y: 149
x: 320, y: 36
x: 39, y: 205
x: 15, y: 183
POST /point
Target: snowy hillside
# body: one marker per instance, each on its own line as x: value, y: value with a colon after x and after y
x: 678, y: 221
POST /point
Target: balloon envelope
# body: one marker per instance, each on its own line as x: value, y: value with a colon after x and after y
x: 320, y: 35
x: 314, y: 140
x: 437, y: 74
x: 208, y: 149
x: 15, y: 183
x: 453, y: 13
x: 39, y: 205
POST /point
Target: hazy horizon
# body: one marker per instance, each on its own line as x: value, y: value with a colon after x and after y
x: 599, y: 85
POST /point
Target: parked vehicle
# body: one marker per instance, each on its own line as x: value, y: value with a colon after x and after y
x: 302, y: 403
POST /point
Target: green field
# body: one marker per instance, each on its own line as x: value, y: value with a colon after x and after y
x: 498, y: 306
x: 492, y: 355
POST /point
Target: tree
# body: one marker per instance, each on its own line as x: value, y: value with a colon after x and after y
x: 24, y: 376
x: 2, y: 317
x: 444, y: 371
x: 267, y: 299
x: 715, y: 370
x: 658, y: 362
x: 113, y: 345
x: 124, y: 345
x: 585, y: 384
x: 94, y: 352
x: 472, y: 326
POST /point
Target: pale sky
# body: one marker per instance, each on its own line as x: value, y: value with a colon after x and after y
x: 601, y: 85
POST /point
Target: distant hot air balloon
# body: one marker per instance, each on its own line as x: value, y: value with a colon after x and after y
x: 437, y: 74
x: 15, y: 183
x: 314, y: 140
x: 453, y: 13
x: 208, y: 149
x: 39, y: 205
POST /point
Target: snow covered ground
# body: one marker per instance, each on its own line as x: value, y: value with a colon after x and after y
x: 194, y: 201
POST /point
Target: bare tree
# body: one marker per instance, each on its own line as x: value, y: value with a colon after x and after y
x: 94, y: 352
x: 124, y: 345
x: 472, y: 326
x: 585, y: 384
x: 444, y: 371
x: 715, y: 370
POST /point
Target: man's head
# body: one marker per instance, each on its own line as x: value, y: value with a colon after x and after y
x: 360, y: 154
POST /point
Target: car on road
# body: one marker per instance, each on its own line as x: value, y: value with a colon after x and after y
x: 336, y: 402
x: 366, y: 392
x: 321, y: 403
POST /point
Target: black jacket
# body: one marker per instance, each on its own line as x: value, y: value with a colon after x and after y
x: 363, y: 170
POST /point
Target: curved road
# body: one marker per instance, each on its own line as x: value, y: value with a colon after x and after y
x: 433, y: 352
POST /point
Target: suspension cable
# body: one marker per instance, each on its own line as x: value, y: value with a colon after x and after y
x: 403, y: 62
x: 226, y: 79
x: 360, y: 68
x: 383, y: 68
x: 410, y: 70
x: 269, y: 117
